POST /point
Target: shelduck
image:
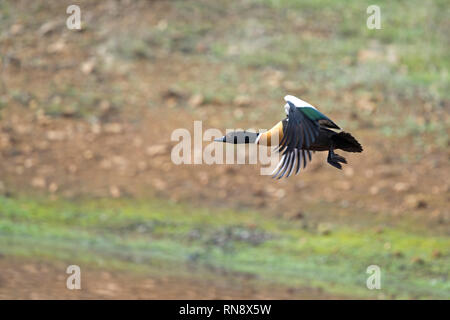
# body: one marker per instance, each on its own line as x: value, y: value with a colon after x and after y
x: 304, y: 129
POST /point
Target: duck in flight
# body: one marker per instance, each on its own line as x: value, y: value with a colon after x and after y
x: 304, y: 129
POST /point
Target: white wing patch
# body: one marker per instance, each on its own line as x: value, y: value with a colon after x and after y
x: 297, y: 102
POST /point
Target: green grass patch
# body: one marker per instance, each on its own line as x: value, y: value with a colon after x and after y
x: 150, y: 235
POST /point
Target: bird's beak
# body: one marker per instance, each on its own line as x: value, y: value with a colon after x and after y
x: 220, y: 139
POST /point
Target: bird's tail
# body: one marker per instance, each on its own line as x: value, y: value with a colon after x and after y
x: 345, y: 141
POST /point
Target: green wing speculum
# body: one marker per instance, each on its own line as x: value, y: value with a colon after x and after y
x: 318, y: 116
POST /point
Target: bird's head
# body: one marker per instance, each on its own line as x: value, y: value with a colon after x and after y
x: 238, y: 137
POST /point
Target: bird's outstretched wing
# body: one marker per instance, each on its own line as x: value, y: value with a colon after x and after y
x: 299, y: 134
x: 289, y: 160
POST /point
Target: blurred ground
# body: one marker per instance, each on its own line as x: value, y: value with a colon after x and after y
x: 22, y: 279
x: 90, y: 113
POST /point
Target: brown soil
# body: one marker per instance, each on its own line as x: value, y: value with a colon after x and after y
x: 126, y: 150
x: 25, y: 279
x: 123, y: 149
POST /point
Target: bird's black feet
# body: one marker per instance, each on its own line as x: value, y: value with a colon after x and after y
x: 334, y: 159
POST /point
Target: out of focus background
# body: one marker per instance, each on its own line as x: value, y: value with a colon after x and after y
x: 86, y: 177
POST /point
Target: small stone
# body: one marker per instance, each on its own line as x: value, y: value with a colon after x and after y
x: 16, y: 29
x: 157, y: 150
x: 56, y: 47
x: 88, y: 154
x: 401, y: 186
x: 349, y: 172
x: 113, y: 128
x: 365, y: 55
x: 242, y: 101
x: 159, y: 184
x: 104, y: 105
x: 373, y: 190
x: 88, y: 66
x: 54, y: 135
x: 114, y: 191
x: 162, y: 25
x: 196, y: 100
x: 49, y: 27
x: 28, y: 163
x: 69, y: 111
x: 106, y: 164
x: 38, y: 182
x: 5, y: 141
x: 171, y: 103
x: 53, y: 187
